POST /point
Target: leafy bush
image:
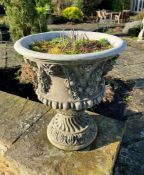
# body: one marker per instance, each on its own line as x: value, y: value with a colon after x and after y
x: 118, y: 5
x: 42, y: 3
x: 78, y: 3
x: 134, y: 31
x: 89, y: 6
x: 24, y: 17
x: 73, y: 14
x: 104, y: 42
x: 58, y: 19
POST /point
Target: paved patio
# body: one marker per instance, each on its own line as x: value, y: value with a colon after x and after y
x: 130, y: 67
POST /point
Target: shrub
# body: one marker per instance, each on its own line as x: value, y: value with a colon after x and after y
x: 24, y: 18
x: 134, y: 31
x: 73, y: 14
x: 89, y: 6
x: 118, y: 5
x: 78, y: 3
x: 104, y: 42
x: 58, y: 20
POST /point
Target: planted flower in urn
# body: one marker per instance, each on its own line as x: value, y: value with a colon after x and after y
x: 70, y: 67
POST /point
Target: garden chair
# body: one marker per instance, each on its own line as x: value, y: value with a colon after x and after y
x: 105, y: 15
x: 99, y: 15
x: 117, y: 18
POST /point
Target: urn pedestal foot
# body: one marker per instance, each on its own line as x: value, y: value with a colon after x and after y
x: 71, y: 130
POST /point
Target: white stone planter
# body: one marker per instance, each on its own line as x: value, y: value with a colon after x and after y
x: 70, y: 84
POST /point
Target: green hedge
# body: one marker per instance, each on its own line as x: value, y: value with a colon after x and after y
x: 134, y: 31
x: 119, y: 5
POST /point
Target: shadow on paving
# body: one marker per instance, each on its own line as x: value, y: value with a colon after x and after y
x: 131, y: 156
x: 118, y: 95
x: 9, y: 83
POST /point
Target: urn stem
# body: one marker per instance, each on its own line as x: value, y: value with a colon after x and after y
x: 71, y: 130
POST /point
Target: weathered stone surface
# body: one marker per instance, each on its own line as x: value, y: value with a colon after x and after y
x: 139, y: 84
x: 16, y: 116
x: 32, y: 154
x: 131, y: 159
x: 131, y: 156
x: 8, y: 56
x: 4, y: 167
x: 137, y: 104
x: 130, y: 65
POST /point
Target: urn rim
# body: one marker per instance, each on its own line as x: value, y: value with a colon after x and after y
x: 22, y: 47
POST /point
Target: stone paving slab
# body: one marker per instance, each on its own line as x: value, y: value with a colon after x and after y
x: 139, y: 84
x: 32, y: 154
x: 134, y: 43
x: 8, y: 56
x: 129, y: 66
x: 16, y: 116
x: 131, y: 56
x: 2, y: 63
x: 23, y: 131
x: 137, y: 103
x: 130, y: 72
x: 131, y: 157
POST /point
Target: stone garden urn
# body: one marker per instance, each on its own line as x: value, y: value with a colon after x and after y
x: 70, y: 84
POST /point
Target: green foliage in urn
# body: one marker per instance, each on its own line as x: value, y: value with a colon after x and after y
x: 72, y: 45
x: 72, y: 14
x: 24, y: 17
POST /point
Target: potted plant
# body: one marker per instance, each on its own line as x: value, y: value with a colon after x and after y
x: 70, y: 84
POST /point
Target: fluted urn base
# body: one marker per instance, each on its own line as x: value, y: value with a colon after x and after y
x: 71, y: 130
